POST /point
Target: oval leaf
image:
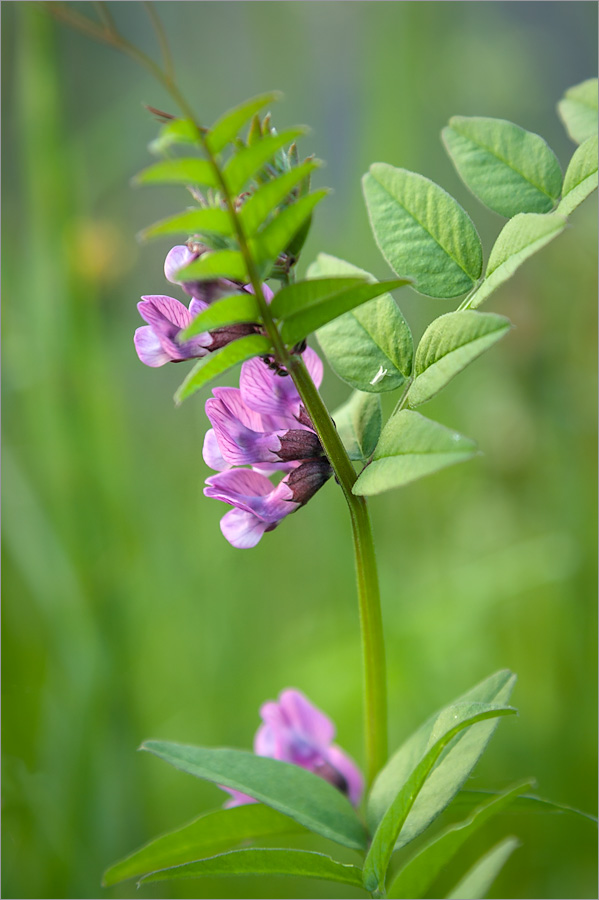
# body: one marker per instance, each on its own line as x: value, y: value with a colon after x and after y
x: 249, y: 160
x: 519, y: 239
x: 359, y: 424
x: 389, y: 828
x: 258, y: 207
x: 230, y: 123
x: 299, y: 863
x: 294, y: 791
x: 578, y: 110
x: 178, y: 171
x: 419, y: 873
x: 448, y: 345
x: 452, y: 771
x: 215, y: 364
x: 422, y: 232
x: 191, y: 221
x: 481, y: 876
x: 371, y: 347
x: 581, y: 176
x: 411, y: 447
x: 211, y: 833
x: 509, y: 169
x: 229, y: 311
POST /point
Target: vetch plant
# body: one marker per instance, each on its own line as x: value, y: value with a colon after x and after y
x: 273, y: 444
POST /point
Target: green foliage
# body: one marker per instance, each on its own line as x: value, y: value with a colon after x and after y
x: 370, y: 348
x: 301, y: 863
x: 578, y: 110
x: 519, y: 239
x: 215, y: 264
x: 410, y: 447
x: 422, y: 232
x: 276, y: 236
x: 229, y: 125
x: 232, y: 310
x: 581, y: 176
x: 481, y: 876
x: 418, y: 874
x: 297, y: 297
x: 448, y: 345
x: 359, y: 423
x: 210, y: 367
x: 509, y: 169
x: 294, y: 791
x: 457, y: 719
x: 185, y: 170
x: 528, y: 803
x: 191, y: 221
x: 249, y: 160
x: 265, y: 200
x: 205, y: 836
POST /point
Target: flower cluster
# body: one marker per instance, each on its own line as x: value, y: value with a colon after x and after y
x: 296, y: 731
x: 262, y: 424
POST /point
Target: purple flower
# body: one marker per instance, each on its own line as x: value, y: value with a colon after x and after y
x: 264, y: 391
x: 297, y: 732
x: 156, y: 343
x: 204, y: 291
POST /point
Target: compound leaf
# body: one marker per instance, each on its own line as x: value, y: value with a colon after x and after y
x: 578, y: 110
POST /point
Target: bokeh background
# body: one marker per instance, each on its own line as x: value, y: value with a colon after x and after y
x: 126, y: 614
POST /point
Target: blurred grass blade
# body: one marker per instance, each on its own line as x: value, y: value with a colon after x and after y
x: 232, y: 310
x: 526, y: 803
x: 215, y: 364
x: 186, y: 170
x: 229, y: 125
x: 475, y: 884
x: 418, y: 874
x: 578, y: 110
x: 207, y: 835
x: 249, y: 160
x: 191, y: 222
x: 448, y: 345
x: 507, y: 168
x: 581, y: 176
x: 279, y: 233
x: 389, y: 828
x: 519, y: 239
x: 215, y: 264
x: 267, y: 197
x: 298, y: 863
x: 294, y: 791
x: 359, y: 423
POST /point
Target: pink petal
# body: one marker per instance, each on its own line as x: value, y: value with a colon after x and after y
x: 149, y: 348
x: 232, y: 399
x: 237, y: 798
x: 243, y: 529
x: 306, y: 719
x: 266, y: 392
x: 314, y: 365
x: 347, y: 767
x: 177, y: 258
x: 211, y: 453
x: 156, y: 308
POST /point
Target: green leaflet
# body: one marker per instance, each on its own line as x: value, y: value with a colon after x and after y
x: 249, y: 160
x: 581, y: 176
x: 299, y: 863
x: 422, y: 232
x: 528, y: 803
x: 519, y: 239
x: 383, y: 842
x: 481, y: 876
x: 419, y: 873
x: 230, y: 123
x: 211, y: 833
x: 294, y: 791
x: 370, y: 348
x: 448, y: 345
x: 457, y: 764
x: 210, y: 367
x: 509, y: 169
x: 411, y: 447
x: 215, y: 264
x: 303, y: 294
x: 359, y: 423
x: 186, y: 170
x: 177, y: 131
x: 276, y: 236
x: 578, y: 110
x: 228, y: 311
x: 258, y: 207
x: 191, y: 221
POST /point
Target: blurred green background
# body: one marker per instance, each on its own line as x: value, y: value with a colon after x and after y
x: 126, y: 614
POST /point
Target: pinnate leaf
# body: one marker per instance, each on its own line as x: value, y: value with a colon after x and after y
x: 411, y: 447
x: 359, y: 423
x: 389, y: 828
x: 509, y: 169
x: 481, y: 876
x: 299, y: 863
x: 422, y: 232
x: 581, y: 176
x: 448, y: 345
x: 230, y: 124
x: 211, y: 833
x: 578, y: 110
x: 370, y: 347
x: 215, y: 264
x: 519, y: 239
x: 257, y: 208
x: 210, y: 367
x: 186, y: 170
x: 294, y: 791
x: 249, y: 160
x: 191, y: 221
x: 418, y: 874
x: 455, y: 767
x: 228, y: 311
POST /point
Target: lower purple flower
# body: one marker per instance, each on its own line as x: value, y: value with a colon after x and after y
x: 295, y: 731
x: 156, y: 343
